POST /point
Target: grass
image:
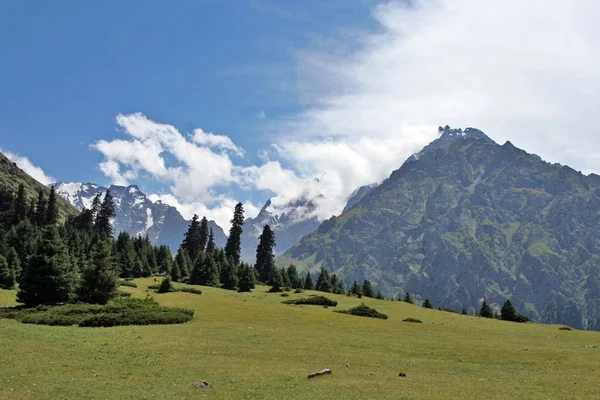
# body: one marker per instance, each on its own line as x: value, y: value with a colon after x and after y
x: 250, y: 346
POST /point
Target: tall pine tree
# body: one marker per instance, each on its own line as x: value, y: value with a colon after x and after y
x: 7, y: 274
x: 20, y: 205
x: 99, y: 279
x: 203, y: 234
x: 308, y: 282
x: 211, y: 246
x: 246, y: 283
x: 40, y: 210
x: 52, y: 210
x: 324, y: 282
x: 105, y: 215
x: 191, y: 241
x: 233, y: 248
x: 265, y: 259
x: 367, y: 289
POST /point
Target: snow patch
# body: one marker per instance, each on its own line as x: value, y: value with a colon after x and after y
x: 149, y: 219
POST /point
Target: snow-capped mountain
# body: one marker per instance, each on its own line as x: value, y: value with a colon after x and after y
x: 136, y: 214
x: 290, y: 222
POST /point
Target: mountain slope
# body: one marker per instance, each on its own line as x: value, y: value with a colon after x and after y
x: 11, y: 176
x: 467, y: 219
x: 136, y: 214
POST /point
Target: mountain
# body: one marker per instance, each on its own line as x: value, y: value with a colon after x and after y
x: 467, y: 219
x: 358, y: 195
x: 136, y: 214
x: 290, y: 222
x: 11, y: 176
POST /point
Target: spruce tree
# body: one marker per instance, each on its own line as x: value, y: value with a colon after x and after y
x: 96, y: 204
x: 99, y: 279
x: 210, y: 247
x: 286, y: 279
x: 203, y: 234
x: 508, y: 312
x: 427, y: 304
x: 233, y: 248
x: 356, y: 290
x: 52, y: 209
x: 464, y: 311
x: 137, y: 269
x: 337, y: 285
x: 164, y: 259
x: 40, y: 210
x: 105, y: 215
x: 191, y: 240
x: 13, y: 261
x: 31, y: 211
x: 324, y: 282
x: 184, y: 263
x: 265, y: 259
x: 367, y: 289
x: 308, y: 282
x: 205, y: 272
x: 295, y: 281
x: 408, y: 298
x: 175, y: 271
x: 379, y: 295
x: 7, y: 275
x: 276, y: 281
x: 50, y: 276
x: 229, y: 275
x: 165, y: 285
x: 486, y: 311
x: 20, y: 207
x: 246, y: 283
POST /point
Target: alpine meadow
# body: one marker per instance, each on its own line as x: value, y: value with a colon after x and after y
x: 261, y: 199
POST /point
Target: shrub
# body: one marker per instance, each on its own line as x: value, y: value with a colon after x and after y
x: 121, y: 311
x: 128, y: 279
x: 413, y: 320
x: 165, y: 285
x: 285, y: 295
x: 564, y: 328
x: 128, y: 284
x: 313, y: 301
x: 190, y: 290
x: 298, y: 291
x: 154, y: 286
x: 364, y: 311
x: 123, y: 294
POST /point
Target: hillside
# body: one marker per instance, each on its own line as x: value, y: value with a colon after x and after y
x: 11, y: 176
x: 250, y: 346
x: 467, y: 219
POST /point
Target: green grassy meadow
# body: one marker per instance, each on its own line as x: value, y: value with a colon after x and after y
x: 250, y: 346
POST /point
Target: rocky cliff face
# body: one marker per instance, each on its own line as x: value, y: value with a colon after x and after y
x: 467, y: 219
x: 136, y: 214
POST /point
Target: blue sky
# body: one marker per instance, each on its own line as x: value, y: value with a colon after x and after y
x: 203, y: 103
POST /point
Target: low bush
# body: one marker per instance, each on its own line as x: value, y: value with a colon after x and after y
x: 313, y: 301
x: 190, y: 290
x: 285, y: 295
x: 128, y: 283
x: 564, y: 328
x: 121, y: 311
x: 413, y: 320
x: 123, y: 294
x: 154, y: 287
x: 298, y: 291
x: 128, y: 279
x: 364, y: 311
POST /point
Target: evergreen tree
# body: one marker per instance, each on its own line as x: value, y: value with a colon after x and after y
x: 175, y: 271
x: 464, y: 311
x: 205, y: 272
x: 367, y: 289
x: 379, y: 295
x: 233, y: 248
x: 308, y: 282
x: 125, y: 257
x: 7, y: 274
x: 164, y: 259
x: 40, y: 210
x: 276, y: 281
x: 229, y: 275
x: 14, y: 262
x: 508, y: 312
x: 99, y: 280
x: 137, y: 269
x: 210, y: 247
x: 191, y: 241
x: 20, y: 205
x: 295, y: 281
x: 31, y: 211
x: 286, y: 279
x: 203, y: 234
x: 324, y: 282
x: 486, y: 311
x: 427, y: 304
x: 105, y: 215
x: 52, y: 209
x: 50, y: 276
x: 265, y: 259
x: 356, y: 289
x: 96, y: 204
x: 337, y: 285
x: 408, y: 298
x: 185, y: 264
x: 246, y: 283
x: 165, y: 285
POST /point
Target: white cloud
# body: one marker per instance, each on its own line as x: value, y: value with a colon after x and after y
x: 36, y: 172
x: 261, y: 115
x: 216, y: 141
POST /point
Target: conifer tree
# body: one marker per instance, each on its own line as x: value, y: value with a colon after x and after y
x: 408, y: 298
x: 337, y: 285
x: 31, y: 211
x: 165, y: 285
x: 356, y: 290
x: 295, y: 280
x: 20, y: 205
x: 324, y: 282
x: 7, y: 274
x: 164, y: 259
x: 96, y: 204
x: 50, y: 276
x: 486, y: 311
x: 184, y: 262
x: 210, y: 247
x: 40, y: 210
x: 229, y: 275
x: 52, y: 209
x: 205, y: 272
x: 175, y: 271
x: 508, y: 312
x: 203, y: 234
x: 233, y: 248
x: 105, y: 215
x: 191, y: 241
x: 246, y: 283
x: 276, y: 281
x: 427, y: 304
x: 285, y: 279
x: 13, y: 261
x: 137, y: 269
x: 99, y: 279
x: 265, y: 259
x: 308, y: 282
x: 367, y: 289
x: 379, y: 295
x: 464, y: 311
